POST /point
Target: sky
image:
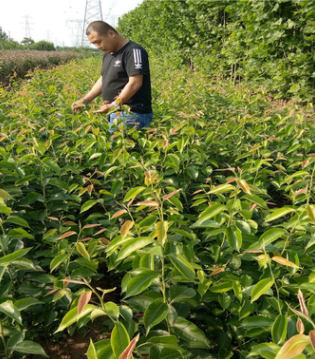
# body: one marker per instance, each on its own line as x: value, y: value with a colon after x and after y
x: 57, y: 21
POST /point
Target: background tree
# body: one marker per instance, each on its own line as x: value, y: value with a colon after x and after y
x: 3, y: 35
x: 43, y: 46
x: 27, y: 41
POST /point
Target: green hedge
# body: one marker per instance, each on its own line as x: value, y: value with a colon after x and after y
x: 268, y: 42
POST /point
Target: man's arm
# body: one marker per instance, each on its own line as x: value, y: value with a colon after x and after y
x: 132, y: 87
x: 90, y: 96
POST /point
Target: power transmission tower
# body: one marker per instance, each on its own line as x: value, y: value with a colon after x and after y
x: 93, y: 12
x: 76, y: 31
x: 27, y: 26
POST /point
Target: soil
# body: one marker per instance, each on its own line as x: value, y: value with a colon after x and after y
x: 74, y: 347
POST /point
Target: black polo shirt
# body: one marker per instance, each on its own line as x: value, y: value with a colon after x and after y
x: 130, y: 60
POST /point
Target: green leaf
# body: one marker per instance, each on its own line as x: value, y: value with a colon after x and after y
x: 9, y: 309
x: 155, y: 313
x: 179, y: 294
x: 119, y: 339
x: 211, y: 212
x: 111, y: 310
x: 26, y: 303
x: 20, y: 233
x: 234, y: 237
x: 176, y: 202
x: 265, y: 350
x: 222, y: 188
x: 55, y: 263
x: 183, y: 266
x: 4, y: 194
x: 95, y: 155
x: 270, y: 236
x: 91, y: 353
x: 257, y: 321
x: 116, y: 242
x: 14, y: 339
x: 190, y: 333
x: 5, y: 210
x: 294, y: 346
x: 148, y: 221
x: 17, y: 220
x: 279, y: 329
x: 261, y: 287
x: 168, y: 352
x: 132, y: 246
x: 29, y: 347
x: 91, y: 264
x: 133, y: 193
x: 255, y: 199
x: 9, y: 258
x: 278, y: 214
x: 222, y: 287
x: 161, y: 231
x: 173, y: 161
x: 87, y: 205
x: 141, y: 282
x: 73, y: 316
x: 111, y: 169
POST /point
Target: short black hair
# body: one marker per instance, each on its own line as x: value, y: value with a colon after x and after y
x: 101, y: 27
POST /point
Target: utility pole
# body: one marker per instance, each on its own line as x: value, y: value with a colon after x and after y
x: 93, y: 12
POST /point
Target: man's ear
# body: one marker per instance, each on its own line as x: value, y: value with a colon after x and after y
x: 111, y: 33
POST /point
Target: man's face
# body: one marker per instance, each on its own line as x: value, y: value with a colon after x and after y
x: 105, y: 43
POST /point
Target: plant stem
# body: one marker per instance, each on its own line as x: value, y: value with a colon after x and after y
x: 6, y: 352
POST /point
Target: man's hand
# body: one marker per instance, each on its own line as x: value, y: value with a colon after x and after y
x: 78, y: 105
x: 104, y: 109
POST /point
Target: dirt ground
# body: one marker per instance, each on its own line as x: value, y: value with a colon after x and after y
x: 74, y: 347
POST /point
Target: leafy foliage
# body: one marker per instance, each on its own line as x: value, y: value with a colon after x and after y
x: 207, y: 219
x: 267, y: 42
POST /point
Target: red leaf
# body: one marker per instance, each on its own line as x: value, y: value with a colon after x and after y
x: 217, y: 271
x: 87, y: 129
x: 170, y: 195
x: 72, y: 281
x: 200, y: 190
x: 302, y: 303
x: 52, y: 291
x: 231, y: 180
x: 85, y: 239
x: 67, y: 234
x: 70, y: 223
x: 91, y: 226
x: 119, y: 213
x: 22, y: 132
x: 84, y: 300
x: 99, y: 232
x: 147, y: 203
x: 127, y: 353
x: 114, y: 136
x: 78, y: 129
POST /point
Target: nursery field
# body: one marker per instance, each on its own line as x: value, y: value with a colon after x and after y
x: 17, y: 64
x: 191, y: 239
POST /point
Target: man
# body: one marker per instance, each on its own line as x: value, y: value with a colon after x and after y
x: 125, y: 76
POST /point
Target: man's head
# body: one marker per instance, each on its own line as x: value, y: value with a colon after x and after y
x: 103, y: 36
